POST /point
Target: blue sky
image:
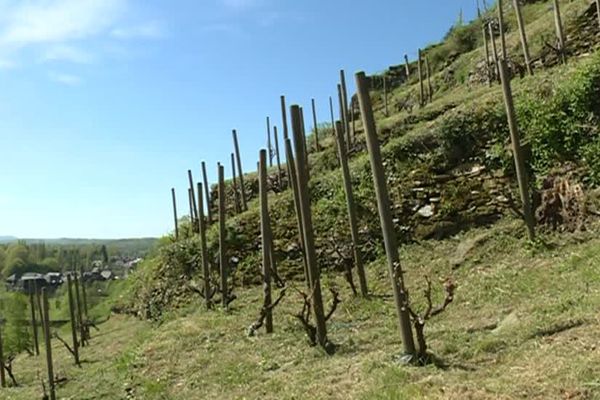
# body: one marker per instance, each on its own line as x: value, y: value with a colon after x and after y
x: 105, y: 104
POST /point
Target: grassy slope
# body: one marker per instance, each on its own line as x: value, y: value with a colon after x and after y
x: 524, y: 325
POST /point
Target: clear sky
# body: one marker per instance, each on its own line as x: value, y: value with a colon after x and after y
x: 105, y: 104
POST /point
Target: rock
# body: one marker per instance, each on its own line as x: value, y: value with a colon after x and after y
x: 465, y: 248
x: 426, y: 211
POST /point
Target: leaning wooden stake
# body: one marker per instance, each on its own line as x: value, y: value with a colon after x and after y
x: 240, y: 170
x: 38, y: 300
x: 523, y: 36
x: 294, y: 185
x: 269, y: 146
x: 47, y: 337
x: 305, y: 143
x: 80, y: 321
x: 194, y: 214
x: 278, y: 158
x: 385, y: 215
x: 501, y: 28
x: 331, y: 111
x: 559, y: 31
x: 204, y: 249
x: 406, y: 66
x: 353, y: 116
x: 421, y: 86
x: 84, y: 298
x: 494, y: 50
x: 598, y: 10
x: 222, y: 240
x: 191, y: 206
x: 517, y: 150
x: 316, y: 128
x: 234, y: 184
x: 488, y: 69
x: 175, y: 213
x: 265, y: 230
x: 311, y: 255
x: 345, y: 107
x: 36, y: 343
x: 73, y: 320
x: 428, y: 74
x: 2, y: 374
x: 284, y: 118
x: 207, y: 193
x: 342, y: 114
x: 352, y: 217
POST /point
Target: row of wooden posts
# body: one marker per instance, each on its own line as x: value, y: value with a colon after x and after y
x: 491, y: 52
x: 298, y: 177
x: 40, y: 316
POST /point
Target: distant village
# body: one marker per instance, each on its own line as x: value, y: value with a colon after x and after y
x: 117, y: 268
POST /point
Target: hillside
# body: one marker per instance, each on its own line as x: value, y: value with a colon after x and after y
x: 524, y: 319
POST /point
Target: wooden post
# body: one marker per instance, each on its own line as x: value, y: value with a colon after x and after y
x: 284, y: 118
x: 341, y: 102
x: 598, y: 10
x: 331, y: 112
x: 478, y: 10
x: 487, y: 56
x: 222, y: 239
x: 194, y: 214
x: 175, y: 214
x: 294, y: 184
x: 85, y: 304
x: 428, y: 74
x: 278, y: 157
x: 203, y: 248
x: 523, y: 36
x: 285, y: 126
x: 38, y: 299
x: 79, y: 312
x: 307, y: 164
x: 494, y: 51
x: 207, y: 193
x: 517, y: 150
x: 84, y: 297
x: 236, y: 195
x: 73, y: 320
x: 36, y: 343
x: 269, y: 146
x: 316, y: 128
x: 352, y: 217
x: 501, y: 28
x: 385, y: 215
x: 240, y: 170
x: 47, y: 338
x: 191, y: 206
x: 406, y: 66
x: 311, y: 256
x: 2, y: 373
x: 421, y: 87
x: 385, y: 97
x: 345, y: 107
x: 559, y: 31
x: 265, y: 230
x: 353, y: 117
x: 304, y: 137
